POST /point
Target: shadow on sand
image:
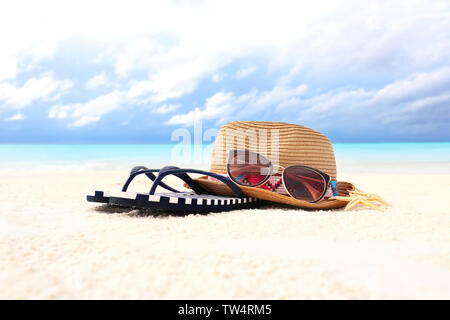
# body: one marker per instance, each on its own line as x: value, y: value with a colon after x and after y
x: 142, y: 213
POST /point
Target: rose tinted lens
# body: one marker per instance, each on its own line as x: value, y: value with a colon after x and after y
x: 303, y: 183
x: 247, y: 168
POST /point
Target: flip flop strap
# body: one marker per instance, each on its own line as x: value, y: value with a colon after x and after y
x: 149, y: 174
x: 182, y: 174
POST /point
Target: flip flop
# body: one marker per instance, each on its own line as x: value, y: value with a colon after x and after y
x: 199, y: 200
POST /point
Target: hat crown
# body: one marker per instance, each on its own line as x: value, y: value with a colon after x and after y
x: 284, y: 144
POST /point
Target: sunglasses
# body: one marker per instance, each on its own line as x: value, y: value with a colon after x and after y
x: 251, y: 169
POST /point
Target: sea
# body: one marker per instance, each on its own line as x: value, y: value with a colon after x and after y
x: 356, y: 156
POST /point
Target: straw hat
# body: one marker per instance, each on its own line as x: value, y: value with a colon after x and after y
x: 284, y: 144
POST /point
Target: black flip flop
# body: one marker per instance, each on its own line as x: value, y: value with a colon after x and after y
x: 197, y: 201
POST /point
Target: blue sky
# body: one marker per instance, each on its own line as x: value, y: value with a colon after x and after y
x: 133, y: 71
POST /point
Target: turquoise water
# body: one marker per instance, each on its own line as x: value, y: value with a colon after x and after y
x: 411, y: 151
x: 160, y: 154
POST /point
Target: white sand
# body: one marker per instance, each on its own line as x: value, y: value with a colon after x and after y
x: 55, y: 245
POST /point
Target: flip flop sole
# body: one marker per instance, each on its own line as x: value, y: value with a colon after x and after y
x: 99, y: 196
x: 186, y: 202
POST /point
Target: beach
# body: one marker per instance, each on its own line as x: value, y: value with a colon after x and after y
x: 303, y: 99
x: 55, y: 245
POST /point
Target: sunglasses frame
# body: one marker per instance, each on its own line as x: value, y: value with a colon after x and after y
x: 326, y: 178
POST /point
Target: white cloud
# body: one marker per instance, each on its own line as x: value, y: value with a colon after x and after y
x: 220, y: 105
x: 428, y: 102
x: 353, y: 108
x: 45, y: 88
x: 60, y: 112
x: 84, y: 120
x: 172, y: 81
x: 16, y: 117
x: 327, y: 104
x: 217, y: 77
x: 224, y: 106
x: 417, y: 98
x: 98, y: 81
x: 319, y: 34
x: 241, y: 74
x: 430, y: 110
x: 82, y: 114
x: 317, y: 38
x: 415, y: 86
x: 278, y: 95
x: 166, y: 108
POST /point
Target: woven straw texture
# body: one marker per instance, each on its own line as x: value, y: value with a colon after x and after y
x: 283, y: 143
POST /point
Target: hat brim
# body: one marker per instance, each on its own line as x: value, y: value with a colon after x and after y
x: 219, y: 188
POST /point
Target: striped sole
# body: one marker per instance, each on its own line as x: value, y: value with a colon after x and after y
x: 187, y: 202
x: 99, y: 196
